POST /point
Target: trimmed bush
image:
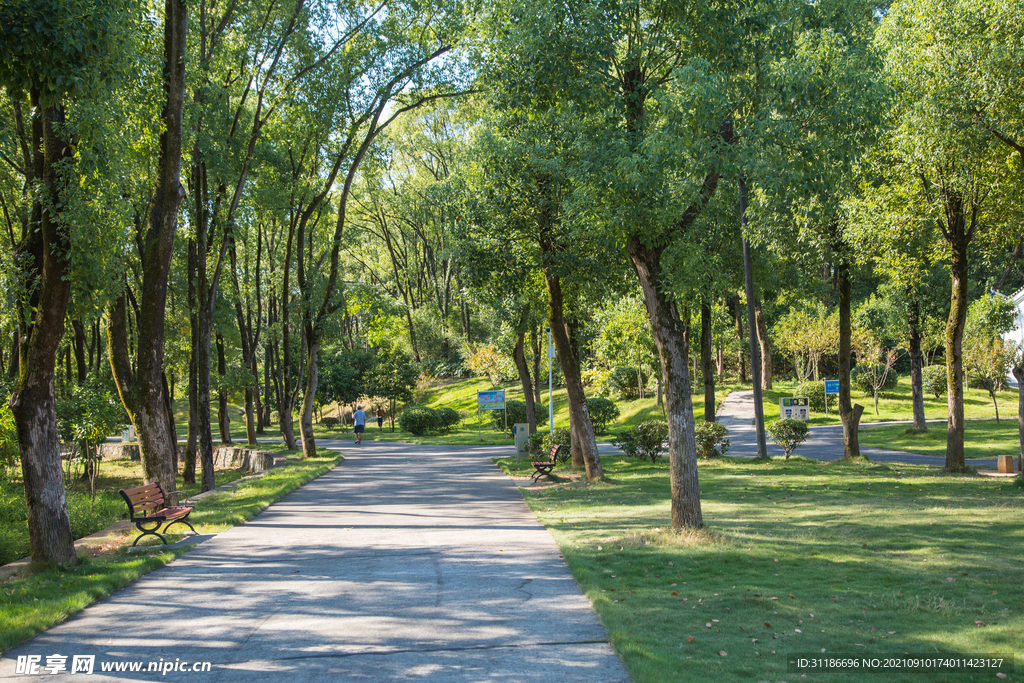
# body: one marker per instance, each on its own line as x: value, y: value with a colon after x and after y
x: 861, y: 377
x: 447, y: 419
x: 561, y: 437
x: 622, y: 381
x: 418, y: 420
x: 787, y: 434
x: 517, y: 413
x: 330, y: 422
x: 933, y: 380
x: 646, y: 440
x: 535, y: 445
x: 815, y: 391
x: 602, y: 412
x: 712, y: 439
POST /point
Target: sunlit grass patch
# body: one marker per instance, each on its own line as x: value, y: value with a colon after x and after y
x: 796, y: 556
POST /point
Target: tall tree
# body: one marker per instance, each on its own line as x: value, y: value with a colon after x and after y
x: 943, y: 150
x: 48, y: 58
x: 141, y: 385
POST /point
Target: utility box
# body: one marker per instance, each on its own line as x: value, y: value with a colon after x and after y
x: 795, y: 407
x: 521, y: 432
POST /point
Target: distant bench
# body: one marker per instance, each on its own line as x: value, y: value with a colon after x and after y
x: 146, y: 506
x: 544, y: 467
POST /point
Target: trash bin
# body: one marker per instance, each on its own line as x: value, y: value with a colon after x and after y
x: 521, y: 431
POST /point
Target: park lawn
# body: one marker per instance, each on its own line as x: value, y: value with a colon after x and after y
x: 797, y: 557
x: 87, y: 516
x: 35, y: 602
x: 896, y: 406
x: 982, y: 438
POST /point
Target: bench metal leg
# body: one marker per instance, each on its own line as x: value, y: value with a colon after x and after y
x: 183, y: 520
x: 148, y: 532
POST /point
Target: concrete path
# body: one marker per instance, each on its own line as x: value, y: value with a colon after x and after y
x: 403, y: 563
x: 824, y: 442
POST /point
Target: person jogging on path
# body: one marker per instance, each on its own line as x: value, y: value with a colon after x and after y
x: 359, y: 417
x: 380, y: 418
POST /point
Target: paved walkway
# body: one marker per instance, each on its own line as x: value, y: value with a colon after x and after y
x: 403, y: 563
x: 825, y: 442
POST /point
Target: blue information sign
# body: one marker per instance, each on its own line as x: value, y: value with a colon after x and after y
x: 490, y: 400
x: 831, y: 386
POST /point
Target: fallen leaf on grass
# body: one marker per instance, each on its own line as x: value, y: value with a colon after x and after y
x: 792, y: 596
x: 690, y: 639
x: 723, y: 653
x: 979, y: 623
x: 708, y: 625
x: 798, y: 631
x: 767, y: 624
x: 675, y: 592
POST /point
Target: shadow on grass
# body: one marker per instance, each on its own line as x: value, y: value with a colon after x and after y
x: 802, y: 556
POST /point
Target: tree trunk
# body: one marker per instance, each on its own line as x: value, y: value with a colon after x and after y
x: 192, y: 442
x: 916, y: 361
x: 955, y: 338
x: 1018, y: 373
x: 739, y: 335
x: 584, y: 444
x: 223, y: 417
x: 33, y: 401
x: 707, y: 362
x: 143, y: 398
x: 766, y: 345
x: 204, y: 426
x: 535, y: 346
x: 171, y: 425
x: 519, y: 356
x: 850, y: 414
x: 668, y: 329
x: 79, y: 340
x: 308, y: 399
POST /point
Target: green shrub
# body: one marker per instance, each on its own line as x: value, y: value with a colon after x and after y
x: 535, y: 444
x: 418, y: 420
x: 561, y: 437
x: 815, y: 391
x: 602, y: 412
x: 712, y: 439
x: 787, y: 434
x: 933, y: 380
x: 646, y: 440
x: 622, y: 381
x: 517, y: 413
x: 447, y: 419
x: 330, y: 422
x: 862, y: 377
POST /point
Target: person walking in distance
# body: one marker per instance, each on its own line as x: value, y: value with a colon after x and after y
x: 380, y: 418
x: 359, y: 418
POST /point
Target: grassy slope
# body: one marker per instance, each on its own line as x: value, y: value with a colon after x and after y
x: 897, y: 406
x: 461, y: 396
x: 862, y: 559
x: 36, y: 602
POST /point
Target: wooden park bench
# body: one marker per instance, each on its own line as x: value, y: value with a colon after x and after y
x: 544, y: 467
x: 146, y: 506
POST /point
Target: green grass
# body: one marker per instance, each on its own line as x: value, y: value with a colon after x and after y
x: 34, y: 603
x: 897, y: 405
x: 87, y: 516
x: 461, y: 396
x: 982, y: 438
x: 863, y: 559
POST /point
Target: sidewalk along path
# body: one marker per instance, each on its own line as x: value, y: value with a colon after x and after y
x: 403, y: 563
